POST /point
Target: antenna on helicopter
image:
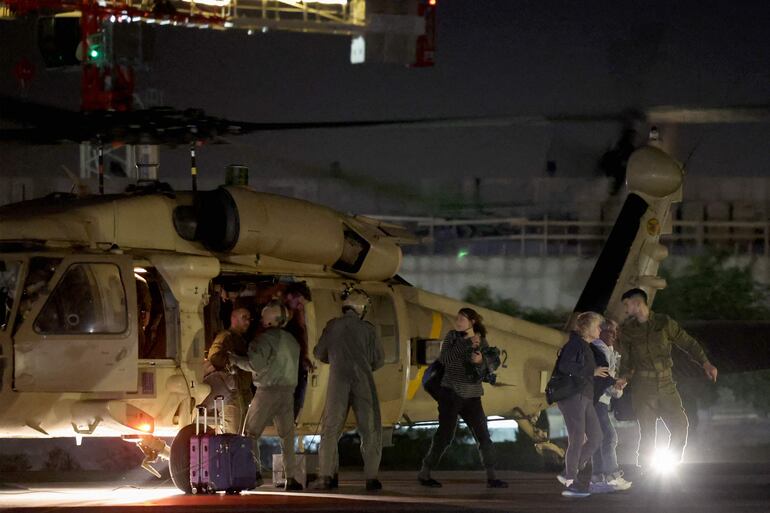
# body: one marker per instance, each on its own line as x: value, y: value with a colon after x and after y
x: 101, y: 166
x: 193, y: 166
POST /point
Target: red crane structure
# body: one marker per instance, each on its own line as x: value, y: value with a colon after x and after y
x: 108, y: 86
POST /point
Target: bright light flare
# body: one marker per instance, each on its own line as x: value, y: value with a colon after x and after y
x: 51, y: 497
x: 664, y: 461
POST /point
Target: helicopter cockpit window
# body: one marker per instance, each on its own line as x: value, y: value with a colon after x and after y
x: 9, y: 277
x: 90, y: 298
x: 41, y: 270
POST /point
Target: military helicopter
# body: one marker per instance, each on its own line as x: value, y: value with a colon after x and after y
x: 85, y: 353
x: 75, y: 363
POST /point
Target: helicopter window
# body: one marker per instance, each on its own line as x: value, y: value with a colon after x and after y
x: 9, y: 277
x: 41, y: 270
x: 157, y: 315
x: 90, y: 298
x: 383, y: 316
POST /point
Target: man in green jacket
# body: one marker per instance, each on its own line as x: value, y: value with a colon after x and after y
x: 273, y: 361
x: 646, y: 339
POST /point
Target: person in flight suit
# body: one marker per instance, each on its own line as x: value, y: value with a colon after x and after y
x: 646, y: 339
x: 272, y: 361
x: 231, y: 341
x: 353, y: 351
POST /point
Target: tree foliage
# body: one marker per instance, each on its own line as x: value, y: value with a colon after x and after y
x: 15, y: 463
x: 60, y: 460
x: 481, y: 295
x: 710, y: 288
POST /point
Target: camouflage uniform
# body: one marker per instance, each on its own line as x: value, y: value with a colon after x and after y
x: 647, y: 364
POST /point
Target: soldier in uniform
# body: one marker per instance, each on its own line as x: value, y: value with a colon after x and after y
x: 646, y: 338
x: 231, y: 341
x: 353, y: 351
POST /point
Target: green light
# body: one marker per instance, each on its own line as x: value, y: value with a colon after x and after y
x: 94, y: 54
x: 462, y: 254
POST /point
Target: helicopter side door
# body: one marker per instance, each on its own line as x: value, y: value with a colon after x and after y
x: 76, y: 327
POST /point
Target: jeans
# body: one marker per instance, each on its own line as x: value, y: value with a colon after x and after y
x: 606, y: 458
x: 583, y: 433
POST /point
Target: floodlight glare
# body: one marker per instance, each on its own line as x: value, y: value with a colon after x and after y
x: 664, y: 461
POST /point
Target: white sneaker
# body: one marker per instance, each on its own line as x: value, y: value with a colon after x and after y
x: 619, y: 483
x: 601, y: 487
x: 563, y: 480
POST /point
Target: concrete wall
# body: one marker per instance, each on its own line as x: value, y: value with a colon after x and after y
x: 535, y: 282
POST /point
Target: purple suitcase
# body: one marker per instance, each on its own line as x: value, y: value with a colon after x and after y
x: 220, y: 462
x: 231, y: 464
x: 199, y: 454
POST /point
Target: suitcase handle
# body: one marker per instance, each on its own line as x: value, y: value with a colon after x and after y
x: 198, y: 411
x: 219, y: 414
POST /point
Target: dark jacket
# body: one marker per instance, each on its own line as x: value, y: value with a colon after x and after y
x: 577, y: 359
x: 600, y: 384
x: 456, y: 351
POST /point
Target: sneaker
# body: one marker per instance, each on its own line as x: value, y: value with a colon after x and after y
x: 563, y: 480
x: 496, y: 483
x: 372, y: 485
x: 430, y: 482
x: 619, y: 483
x: 259, y: 482
x: 601, y: 487
x: 292, y: 485
x: 322, y: 483
x: 575, y: 491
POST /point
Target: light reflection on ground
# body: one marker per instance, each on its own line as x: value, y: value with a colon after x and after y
x: 72, y: 496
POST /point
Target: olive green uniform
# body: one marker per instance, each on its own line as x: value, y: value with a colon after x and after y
x: 646, y: 362
x: 237, y: 401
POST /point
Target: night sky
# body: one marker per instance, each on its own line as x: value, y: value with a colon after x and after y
x: 494, y: 58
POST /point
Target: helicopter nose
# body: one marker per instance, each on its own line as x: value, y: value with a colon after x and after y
x: 654, y: 172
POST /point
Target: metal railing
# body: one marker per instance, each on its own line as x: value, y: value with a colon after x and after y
x: 544, y: 237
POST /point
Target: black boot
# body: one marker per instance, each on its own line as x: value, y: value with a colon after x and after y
x: 335, y: 482
x: 322, y: 483
x: 429, y: 482
x: 292, y: 485
x: 372, y: 485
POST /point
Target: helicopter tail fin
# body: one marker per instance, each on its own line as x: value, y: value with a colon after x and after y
x: 633, y: 252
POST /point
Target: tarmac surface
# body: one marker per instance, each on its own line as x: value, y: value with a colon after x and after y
x: 694, y: 488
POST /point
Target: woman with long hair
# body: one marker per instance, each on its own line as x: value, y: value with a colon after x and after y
x: 584, y: 432
x: 460, y: 394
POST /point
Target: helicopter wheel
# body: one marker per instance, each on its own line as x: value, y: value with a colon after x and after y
x: 179, y: 461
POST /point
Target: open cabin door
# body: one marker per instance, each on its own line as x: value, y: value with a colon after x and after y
x: 390, y: 378
x: 76, y: 326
